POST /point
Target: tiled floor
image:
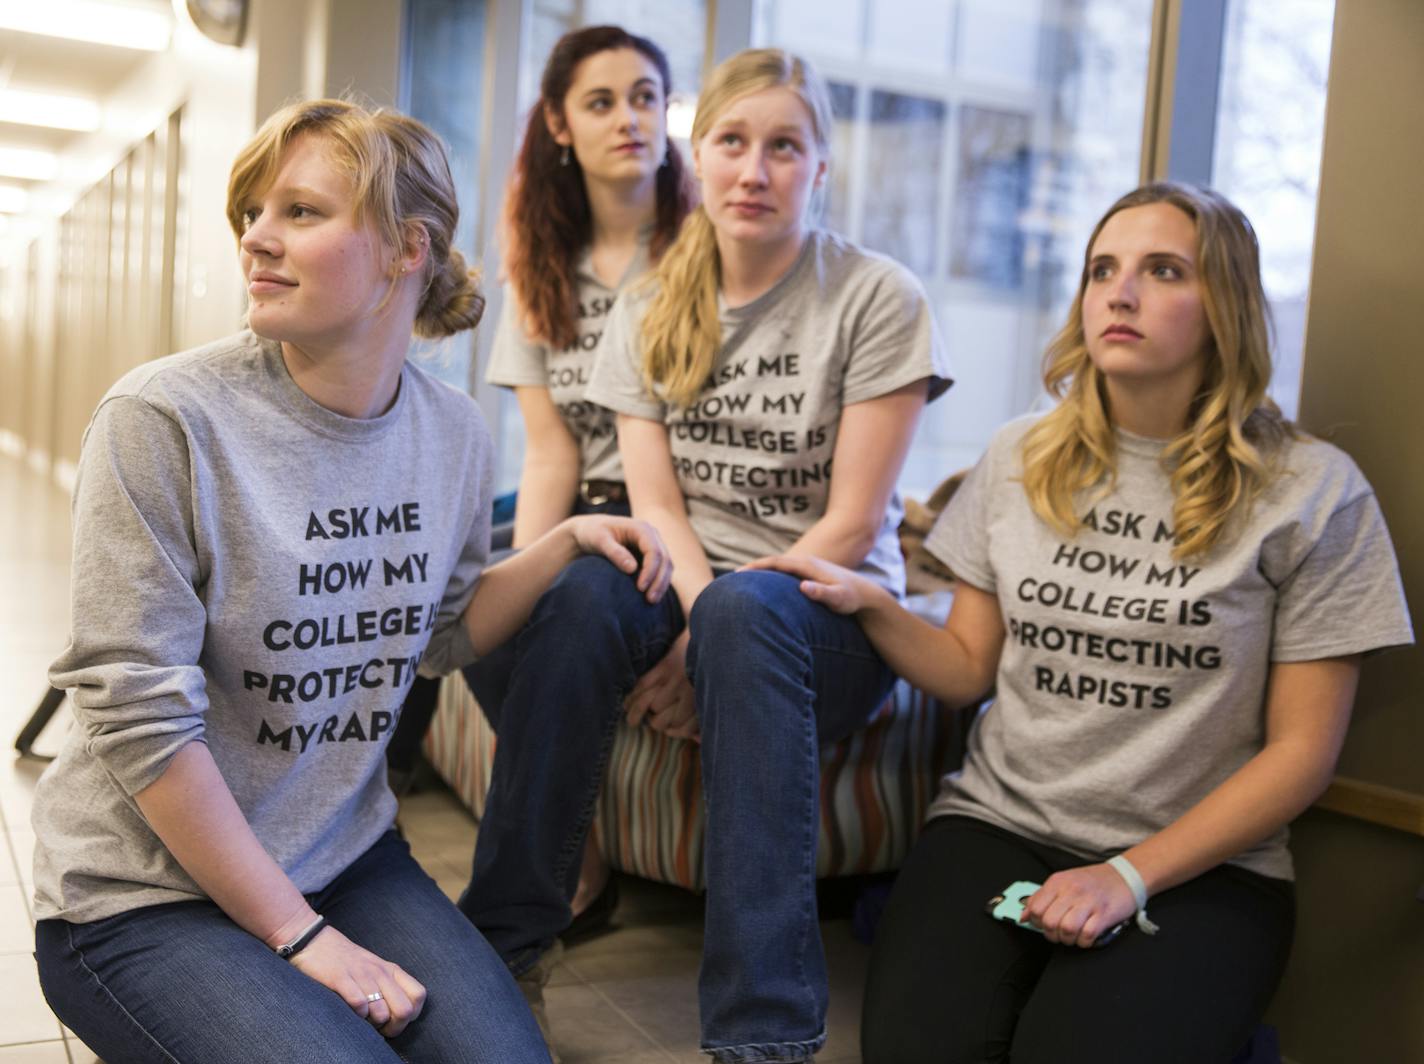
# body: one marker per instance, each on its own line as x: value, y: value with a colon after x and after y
x: 631, y: 995
x: 628, y: 996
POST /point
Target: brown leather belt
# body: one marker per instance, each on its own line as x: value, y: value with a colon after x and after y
x: 598, y: 492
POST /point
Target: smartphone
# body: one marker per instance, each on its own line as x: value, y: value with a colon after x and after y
x: 1008, y: 905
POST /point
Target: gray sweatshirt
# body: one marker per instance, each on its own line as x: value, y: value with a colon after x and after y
x: 256, y: 572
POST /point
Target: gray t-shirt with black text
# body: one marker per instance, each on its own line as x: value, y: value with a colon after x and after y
x: 1131, y: 683
x: 260, y: 574
x: 519, y: 361
x: 753, y: 453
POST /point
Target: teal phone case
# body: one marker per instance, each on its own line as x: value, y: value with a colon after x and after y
x: 1009, y: 905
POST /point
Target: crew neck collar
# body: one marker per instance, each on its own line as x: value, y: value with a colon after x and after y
x: 317, y: 417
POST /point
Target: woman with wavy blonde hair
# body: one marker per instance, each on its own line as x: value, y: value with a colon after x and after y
x: 1217, y: 463
x: 767, y: 383
x: 1169, y: 591
x: 271, y: 533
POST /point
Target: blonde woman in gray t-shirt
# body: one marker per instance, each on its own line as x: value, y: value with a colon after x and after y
x: 767, y: 386
x: 1170, y: 589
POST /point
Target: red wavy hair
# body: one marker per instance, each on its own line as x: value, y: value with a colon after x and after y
x: 547, y: 219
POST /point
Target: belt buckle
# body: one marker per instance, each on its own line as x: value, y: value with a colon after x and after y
x: 594, y: 498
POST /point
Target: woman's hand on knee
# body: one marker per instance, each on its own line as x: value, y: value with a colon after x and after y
x: 1075, y: 906
x: 833, y: 586
x: 633, y: 546
x: 663, y: 696
x: 381, y: 993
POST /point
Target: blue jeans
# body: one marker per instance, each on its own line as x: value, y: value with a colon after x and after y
x: 182, y: 982
x: 587, y: 640
x: 489, y: 677
x: 776, y: 676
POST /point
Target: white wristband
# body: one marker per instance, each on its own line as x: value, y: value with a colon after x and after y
x: 1123, y: 867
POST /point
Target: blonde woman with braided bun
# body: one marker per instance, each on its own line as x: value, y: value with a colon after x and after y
x: 767, y: 383
x: 1169, y: 589
x: 272, y: 533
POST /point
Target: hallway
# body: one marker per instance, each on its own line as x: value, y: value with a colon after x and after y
x: 629, y: 996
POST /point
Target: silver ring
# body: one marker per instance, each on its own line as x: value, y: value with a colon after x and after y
x: 375, y: 997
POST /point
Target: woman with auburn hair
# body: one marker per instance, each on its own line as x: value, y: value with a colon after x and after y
x: 767, y: 383
x: 217, y: 872
x: 1169, y: 588
x: 596, y: 196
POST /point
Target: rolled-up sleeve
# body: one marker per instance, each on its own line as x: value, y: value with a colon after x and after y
x: 138, y: 691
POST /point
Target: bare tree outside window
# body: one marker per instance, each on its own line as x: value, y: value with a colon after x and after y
x: 1270, y: 128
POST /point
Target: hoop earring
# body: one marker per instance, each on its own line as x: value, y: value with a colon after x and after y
x: 564, y: 156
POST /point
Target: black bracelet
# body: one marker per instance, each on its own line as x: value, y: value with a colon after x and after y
x: 292, y: 948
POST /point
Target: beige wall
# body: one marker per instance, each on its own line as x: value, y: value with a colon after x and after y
x: 310, y: 48
x: 1355, y: 990
x: 87, y: 334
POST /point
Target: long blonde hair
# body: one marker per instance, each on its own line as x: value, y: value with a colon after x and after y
x: 680, y: 333
x: 401, y: 179
x: 1219, y: 462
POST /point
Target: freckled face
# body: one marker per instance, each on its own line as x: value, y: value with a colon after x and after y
x: 615, y: 116
x: 316, y: 275
x: 759, y: 164
x: 1143, y: 314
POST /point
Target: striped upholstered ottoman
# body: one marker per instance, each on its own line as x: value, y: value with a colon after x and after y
x: 875, y: 785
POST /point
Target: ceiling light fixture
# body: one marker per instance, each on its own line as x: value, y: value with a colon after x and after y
x: 49, y: 110
x: 28, y: 164
x: 117, y: 25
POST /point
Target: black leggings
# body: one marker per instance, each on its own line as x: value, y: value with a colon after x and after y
x: 949, y: 985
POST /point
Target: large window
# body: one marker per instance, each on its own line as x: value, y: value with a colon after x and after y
x: 678, y: 27
x: 1270, y: 126
x: 977, y: 141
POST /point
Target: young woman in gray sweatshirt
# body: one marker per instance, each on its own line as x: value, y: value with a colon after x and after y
x: 273, y: 533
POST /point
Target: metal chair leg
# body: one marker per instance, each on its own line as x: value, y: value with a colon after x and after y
x: 25, y: 741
